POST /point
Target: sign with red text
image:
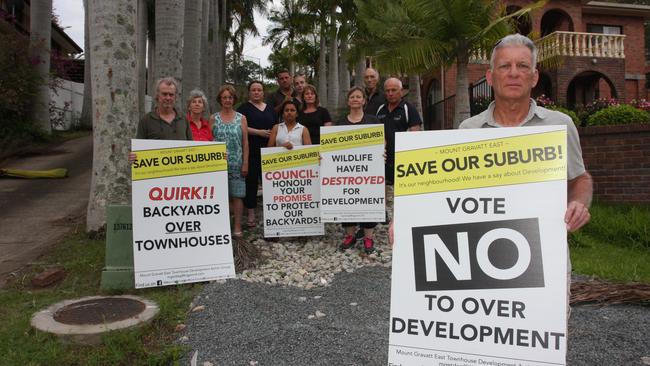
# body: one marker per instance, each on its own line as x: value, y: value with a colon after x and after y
x: 181, y: 225
x: 291, y: 191
x: 480, y: 254
x: 352, y: 173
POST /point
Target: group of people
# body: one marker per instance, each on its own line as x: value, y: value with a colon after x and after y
x: 292, y: 116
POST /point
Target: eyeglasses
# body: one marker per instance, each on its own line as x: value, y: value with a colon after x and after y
x: 227, y: 97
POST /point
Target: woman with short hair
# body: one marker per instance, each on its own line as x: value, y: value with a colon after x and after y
x: 356, y: 99
x: 231, y: 127
x: 197, y: 104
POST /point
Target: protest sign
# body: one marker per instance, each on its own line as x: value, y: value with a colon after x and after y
x: 291, y: 191
x: 352, y: 173
x: 480, y: 255
x: 181, y: 225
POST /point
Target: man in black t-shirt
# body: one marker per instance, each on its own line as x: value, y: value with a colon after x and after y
x: 285, y: 92
x: 397, y: 115
x: 373, y: 91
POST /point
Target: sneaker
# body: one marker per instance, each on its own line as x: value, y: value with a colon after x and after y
x: 348, y: 242
x: 368, y: 245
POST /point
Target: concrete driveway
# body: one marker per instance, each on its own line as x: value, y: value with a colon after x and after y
x: 37, y: 213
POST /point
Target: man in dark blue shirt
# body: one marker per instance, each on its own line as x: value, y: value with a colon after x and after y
x: 397, y: 115
x: 373, y: 91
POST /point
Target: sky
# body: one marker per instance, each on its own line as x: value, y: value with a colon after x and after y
x: 71, y: 16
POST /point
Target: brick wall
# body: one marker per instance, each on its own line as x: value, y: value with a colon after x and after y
x: 618, y: 158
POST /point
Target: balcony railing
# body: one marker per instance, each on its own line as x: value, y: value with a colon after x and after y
x: 581, y: 45
x: 571, y: 44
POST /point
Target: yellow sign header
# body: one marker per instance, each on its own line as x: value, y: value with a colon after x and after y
x: 290, y: 159
x: 171, y: 162
x: 511, y: 160
x: 350, y: 139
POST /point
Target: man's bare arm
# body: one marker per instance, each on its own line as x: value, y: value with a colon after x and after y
x: 580, y: 193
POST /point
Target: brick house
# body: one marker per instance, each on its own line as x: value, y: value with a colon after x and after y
x: 15, y: 17
x: 599, y: 47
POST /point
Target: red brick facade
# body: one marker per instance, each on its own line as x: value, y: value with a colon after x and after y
x: 623, y: 78
x: 618, y: 158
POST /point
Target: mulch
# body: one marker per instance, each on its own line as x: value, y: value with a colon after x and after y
x: 607, y: 293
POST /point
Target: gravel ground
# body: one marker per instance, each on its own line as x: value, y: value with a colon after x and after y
x: 309, y: 305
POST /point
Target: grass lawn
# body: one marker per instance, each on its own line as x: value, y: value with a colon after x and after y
x: 615, y: 245
x: 83, y: 260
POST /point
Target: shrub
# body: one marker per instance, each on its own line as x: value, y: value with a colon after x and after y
x: 568, y: 112
x: 544, y: 101
x: 19, y: 83
x: 618, y: 115
x: 641, y: 104
x: 585, y: 111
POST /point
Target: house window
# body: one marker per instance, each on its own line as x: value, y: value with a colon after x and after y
x: 604, y: 29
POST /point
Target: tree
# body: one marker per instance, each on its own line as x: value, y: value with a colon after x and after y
x: 333, y: 64
x: 113, y: 73
x: 346, y: 30
x: 205, y: 43
x: 319, y: 10
x: 417, y: 35
x: 86, y: 118
x: 141, y: 56
x: 223, y: 28
x: 192, y: 47
x: 287, y: 24
x: 243, y: 13
x: 243, y: 72
x: 169, y: 40
x: 40, y: 35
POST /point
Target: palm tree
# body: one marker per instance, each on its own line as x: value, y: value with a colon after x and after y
x: 192, y: 47
x: 205, y: 43
x: 40, y: 34
x: 115, y: 109
x: 319, y: 12
x: 427, y: 34
x: 169, y: 39
x: 243, y: 13
x: 287, y: 23
x: 223, y: 20
x: 141, y: 56
x: 86, y: 119
x: 151, y: 46
x: 333, y: 64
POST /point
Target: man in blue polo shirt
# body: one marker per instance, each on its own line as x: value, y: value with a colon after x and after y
x: 397, y: 115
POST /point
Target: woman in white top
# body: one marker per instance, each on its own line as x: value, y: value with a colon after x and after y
x: 289, y: 133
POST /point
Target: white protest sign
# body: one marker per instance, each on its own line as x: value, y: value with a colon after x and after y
x: 352, y: 173
x: 480, y: 255
x: 181, y: 225
x: 291, y: 191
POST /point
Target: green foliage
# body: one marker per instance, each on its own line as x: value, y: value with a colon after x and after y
x: 242, y: 73
x: 417, y: 35
x: 566, y: 111
x: 548, y: 103
x: 627, y: 224
x: 19, y: 83
x: 615, y: 244
x: 618, y: 115
x: 152, y: 344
